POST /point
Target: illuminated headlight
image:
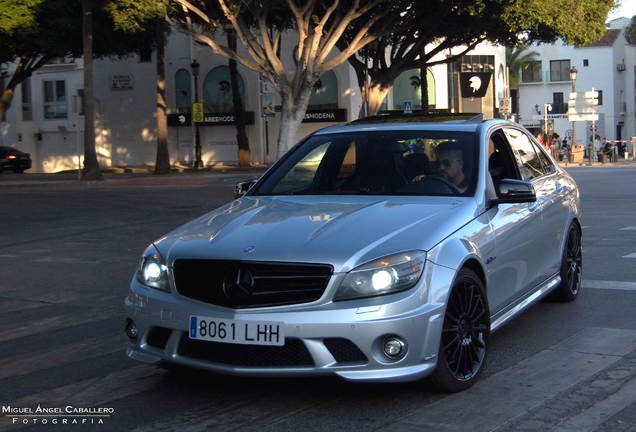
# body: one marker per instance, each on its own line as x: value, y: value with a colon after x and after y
x: 386, y: 275
x: 153, y: 271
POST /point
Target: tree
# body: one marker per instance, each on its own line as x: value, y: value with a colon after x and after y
x: 518, y: 58
x: 630, y: 32
x: 239, y: 109
x: 91, y: 165
x: 34, y: 32
x: 162, y: 165
x: 425, y: 32
x: 318, y: 26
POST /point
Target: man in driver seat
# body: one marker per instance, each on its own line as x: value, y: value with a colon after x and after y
x: 450, y: 164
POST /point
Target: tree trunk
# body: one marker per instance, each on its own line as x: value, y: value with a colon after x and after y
x: 163, y: 155
x: 5, y: 102
x: 377, y: 93
x: 239, y: 109
x: 294, y: 108
x: 91, y: 166
x: 424, y: 87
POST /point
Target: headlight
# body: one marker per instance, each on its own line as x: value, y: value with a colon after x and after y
x: 153, y: 271
x: 387, y: 275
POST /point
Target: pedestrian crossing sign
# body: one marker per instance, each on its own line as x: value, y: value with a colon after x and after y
x: 408, y: 108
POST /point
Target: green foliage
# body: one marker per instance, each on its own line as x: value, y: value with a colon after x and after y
x: 630, y: 32
x: 53, y: 28
x: 516, y: 57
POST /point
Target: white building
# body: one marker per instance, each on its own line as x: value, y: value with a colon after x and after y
x: 608, y: 66
x: 44, y: 119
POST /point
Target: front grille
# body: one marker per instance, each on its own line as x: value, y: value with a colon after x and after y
x: 344, y: 351
x: 293, y: 353
x: 158, y: 337
x: 261, y: 284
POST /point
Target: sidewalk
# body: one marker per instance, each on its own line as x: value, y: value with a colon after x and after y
x: 140, y: 175
x: 620, y: 162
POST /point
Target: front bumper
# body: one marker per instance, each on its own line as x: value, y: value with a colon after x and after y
x: 342, y: 338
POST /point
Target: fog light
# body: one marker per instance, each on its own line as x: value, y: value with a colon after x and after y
x: 394, y: 347
x: 131, y: 329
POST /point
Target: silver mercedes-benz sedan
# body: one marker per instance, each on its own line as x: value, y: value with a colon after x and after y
x: 380, y: 250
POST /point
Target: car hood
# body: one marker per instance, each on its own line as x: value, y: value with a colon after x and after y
x: 342, y: 231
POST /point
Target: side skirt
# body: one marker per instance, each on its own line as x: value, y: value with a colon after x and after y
x: 524, y: 302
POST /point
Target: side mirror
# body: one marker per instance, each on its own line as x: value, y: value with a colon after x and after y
x: 514, y: 191
x: 243, y: 187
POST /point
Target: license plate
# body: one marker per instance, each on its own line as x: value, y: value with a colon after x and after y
x: 237, y: 331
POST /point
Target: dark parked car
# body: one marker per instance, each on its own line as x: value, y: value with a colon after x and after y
x: 14, y: 160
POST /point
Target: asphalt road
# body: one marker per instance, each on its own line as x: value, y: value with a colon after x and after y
x: 68, y: 253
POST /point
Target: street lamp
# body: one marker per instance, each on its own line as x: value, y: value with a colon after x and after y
x: 573, y: 73
x: 194, y: 67
x: 546, y: 107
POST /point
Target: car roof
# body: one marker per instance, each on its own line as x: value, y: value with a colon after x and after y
x: 10, y: 150
x: 458, y: 122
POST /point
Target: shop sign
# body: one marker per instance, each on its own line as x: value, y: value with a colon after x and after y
x: 209, y: 119
x: 121, y: 82
x: 325, y: 116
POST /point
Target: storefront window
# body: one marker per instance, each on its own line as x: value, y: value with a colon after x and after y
x: 217, y: 91
x: 325, y: 93
x: 408, y: 88
x: 183, y: 92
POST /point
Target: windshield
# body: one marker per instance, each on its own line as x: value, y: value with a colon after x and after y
x: 378, y: 163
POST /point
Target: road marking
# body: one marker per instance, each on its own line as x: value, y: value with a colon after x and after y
x: 633, y: 255
x: 617, y: 285
x: 628, y: 229
x: 501, y: 398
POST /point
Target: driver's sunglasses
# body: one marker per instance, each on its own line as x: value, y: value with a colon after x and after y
x: 446, y: 163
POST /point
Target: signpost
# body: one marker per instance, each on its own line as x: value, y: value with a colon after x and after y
x: 583, y: 107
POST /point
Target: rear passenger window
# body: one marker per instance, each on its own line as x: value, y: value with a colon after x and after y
x: 548, y: 166
x: 529, y: 163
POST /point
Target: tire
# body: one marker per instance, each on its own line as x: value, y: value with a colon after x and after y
x: 571, y: 267
x: 18, y: 171
x: 465, y: 336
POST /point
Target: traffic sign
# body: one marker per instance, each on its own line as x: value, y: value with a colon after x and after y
x: 582, y: 117
x: 593, y: 128
x: 579, y: 95
x: 583, y: 110
x: 408, y: 108
x: 582, y: 102
x: 197, y: 112
x: 504, y: 105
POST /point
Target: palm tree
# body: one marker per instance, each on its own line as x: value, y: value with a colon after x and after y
x: 516, y: 59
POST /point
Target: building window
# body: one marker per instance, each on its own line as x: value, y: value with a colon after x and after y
x: 531, y: 71
x: 324, y: 95
x: 560, y: 70
x: 558, y: 106
x: 145, y: 55
x: 79, y: 102
x: 408, y: 88
x: 217, y: 91
x: 586, y: 62
x: 27, y: 107
x: 183, y: 92
x: 55, y: 106
x: 477, y: 63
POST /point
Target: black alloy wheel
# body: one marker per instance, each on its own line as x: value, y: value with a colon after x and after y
x: 465, y: 335
x: 571, y: 267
